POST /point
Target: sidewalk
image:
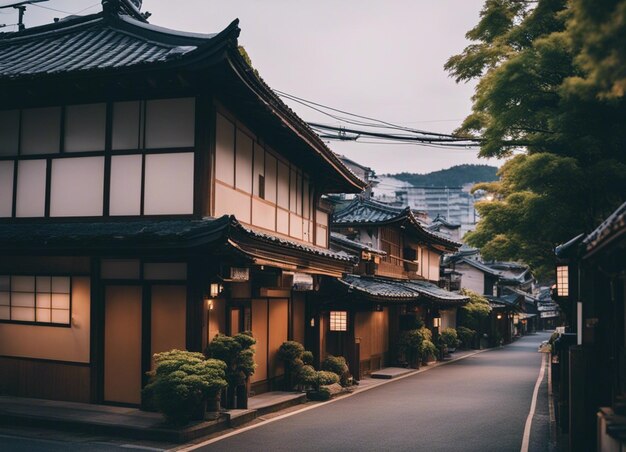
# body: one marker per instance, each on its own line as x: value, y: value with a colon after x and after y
x: 133, y: 423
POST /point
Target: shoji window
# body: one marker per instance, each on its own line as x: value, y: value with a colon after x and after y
x: 85, y: 127
x: 126, y: 127
x: 169, y: 184
x: 170, y: 123
x: 31, y: 188
x: 9, y: 132
x: 38, y: 299
x: 125, y: 187
x: 6, y: 188
x: 77, y: 187
x: 41, y: 130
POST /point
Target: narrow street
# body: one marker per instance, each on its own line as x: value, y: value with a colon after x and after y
x: 476, y: 404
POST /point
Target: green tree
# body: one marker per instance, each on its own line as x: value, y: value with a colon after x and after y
x: 550, y: 96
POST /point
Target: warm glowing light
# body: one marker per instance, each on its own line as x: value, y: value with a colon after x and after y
x: 338, y: 320
x: 499, y: 316
x: 562, y: 281
x: 436, y: 322
x: 215, y: 290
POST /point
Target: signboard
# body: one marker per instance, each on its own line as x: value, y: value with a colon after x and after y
x: 549, y: 314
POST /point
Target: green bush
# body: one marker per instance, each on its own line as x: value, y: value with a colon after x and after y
x: 306, y: 376
x: 475, y: 311
x: 238, y: 354
x: 427, y: 351
x: 290, y: 351
x: 182, y: 382
x: 466, y: 336
x: 409, y: 343
x: 307, y: 358
x: 325, y: 377
x: 449, y: 338
x: 339, y: 366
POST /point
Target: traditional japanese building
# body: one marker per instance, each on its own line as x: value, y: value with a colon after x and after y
x: 396, y: 282
x: 591, y: 289
x: 154, y: 191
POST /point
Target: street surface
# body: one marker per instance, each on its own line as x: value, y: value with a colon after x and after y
x: 476, y: 404
x: 480, y: 403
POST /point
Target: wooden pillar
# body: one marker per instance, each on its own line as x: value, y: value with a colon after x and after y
x: 196, y: 285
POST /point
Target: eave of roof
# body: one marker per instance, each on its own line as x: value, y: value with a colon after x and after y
x: 394, y: 290
x: 366, y: 212
x: 611, y: 229
x: 353, y: 244
x: 479, y: 266
x: 179, y: 235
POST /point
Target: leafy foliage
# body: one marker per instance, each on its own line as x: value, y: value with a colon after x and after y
x: 339, y: 366
x: 455, y: 176
x: 237, y: 353
x: 466, y: 336
x: 427, y: 351
x: 474, y: 312
x: 449, y: 337
x: 182, y: 381
x: 551, y: 77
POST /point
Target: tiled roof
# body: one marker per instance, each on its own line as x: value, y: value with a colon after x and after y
x: 98, y: 42
x: 385, y: 289
x: 177, y: 234
x: 480, y: 266
x: 613, y: 225
x: 363, y: 211
x: 441, y: 221
x: 342, y: 240
x: 507, y: 301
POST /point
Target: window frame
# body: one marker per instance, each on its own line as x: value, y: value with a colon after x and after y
x: 35, y: 293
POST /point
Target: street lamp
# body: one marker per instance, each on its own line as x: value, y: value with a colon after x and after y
x: 436, y: 322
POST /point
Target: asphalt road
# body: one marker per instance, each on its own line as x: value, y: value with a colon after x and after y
x: 476, y: 404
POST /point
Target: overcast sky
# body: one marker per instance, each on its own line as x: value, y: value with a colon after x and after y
x: 382, y: 59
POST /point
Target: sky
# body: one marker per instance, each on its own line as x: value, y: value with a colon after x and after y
x: 378, y: 58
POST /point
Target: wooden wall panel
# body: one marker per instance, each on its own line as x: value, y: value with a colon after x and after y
x: 259, y: 331
x: 362, y: 326
x: 297, y: 317
x: 277, y: 335
x: 44, y: 379
x: 232, y: 202
x: 263, y: 215
x: 169, y: 318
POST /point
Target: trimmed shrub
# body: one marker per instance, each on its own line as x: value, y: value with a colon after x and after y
x: 307, y: 358
x: 182, y: 382
x: 325, y: 377
x: 322, y: 394
x: 339, y: 366
x: 449, y: 338
x: 409, y: 344
x: 466, y: 336
x: 290, y: 351
x: 427, y: 351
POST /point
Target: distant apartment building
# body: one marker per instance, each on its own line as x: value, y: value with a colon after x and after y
x: 455, y: 204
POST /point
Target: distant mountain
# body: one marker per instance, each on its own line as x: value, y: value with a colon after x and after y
x: 455, y: 176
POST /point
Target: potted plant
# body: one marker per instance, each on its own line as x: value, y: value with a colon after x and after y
x: 183, y: 382
x: 238, y: 354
